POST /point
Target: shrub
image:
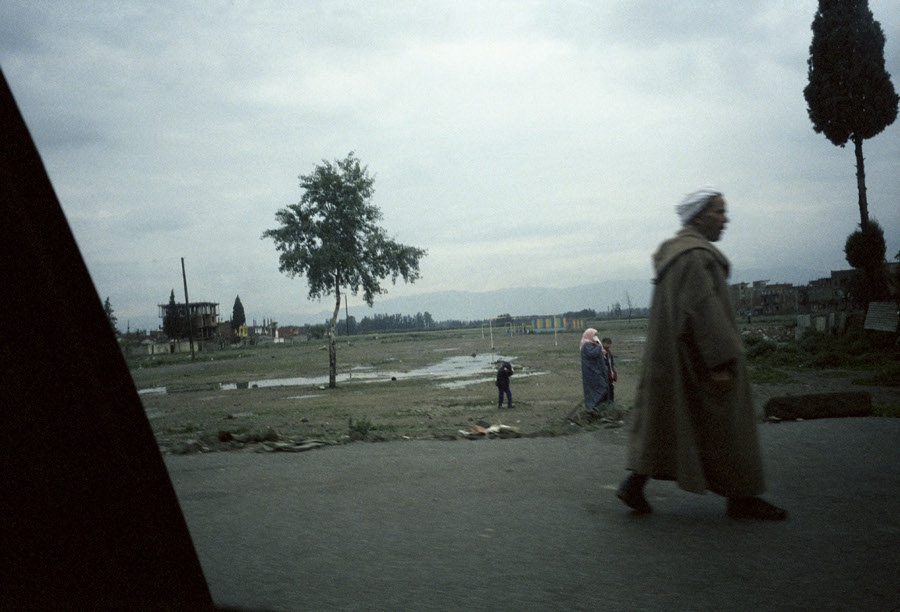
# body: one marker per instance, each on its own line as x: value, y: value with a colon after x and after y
x: 760, y: 349
x: 827, y: 359
x: 816, y: 342
x: 360, y: 429
x: 886, y: 376
x: 765, y: 373
x: 857, y: 349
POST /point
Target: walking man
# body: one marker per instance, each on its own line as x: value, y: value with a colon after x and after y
x: 693, y: 420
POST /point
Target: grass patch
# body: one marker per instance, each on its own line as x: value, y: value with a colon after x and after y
x: 361, y: 428
x: 854, y: 351
x: 886, y: 376
x: 186, y: 428
x: 891, y: 410
x: 201, y: 396
x: 765, y: 373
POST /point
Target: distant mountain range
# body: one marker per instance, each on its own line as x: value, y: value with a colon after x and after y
x: 474, y: 306
x: 523, y: 301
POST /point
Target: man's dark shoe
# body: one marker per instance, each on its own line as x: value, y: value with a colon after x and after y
x: 754, y: 508
x: 631, y: 491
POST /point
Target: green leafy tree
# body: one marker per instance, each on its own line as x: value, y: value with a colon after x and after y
x: 331, y: 238
x: 850, y: 95
x: 238, y: 317
x: 113, y: 320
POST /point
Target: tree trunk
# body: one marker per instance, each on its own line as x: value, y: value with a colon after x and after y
x: 861, y: 184
x: 332, y: 340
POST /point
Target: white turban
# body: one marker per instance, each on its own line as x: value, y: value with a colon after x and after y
x: 695, y: 202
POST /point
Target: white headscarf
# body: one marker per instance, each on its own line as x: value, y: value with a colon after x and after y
x: 589, y: 335
x: 695, y: 202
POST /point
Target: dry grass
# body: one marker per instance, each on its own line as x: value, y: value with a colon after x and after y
x: 195, y: 412
x: 546, y: 388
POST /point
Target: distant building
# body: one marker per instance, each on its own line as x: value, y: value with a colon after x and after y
x: 288, y: 331
x: 748, y: 297
x: 224, y: 329
x: 556, y: 323
x: 268, y: 328
x: 204, y: 317
x: 778, y: 298
x: 830, y: 294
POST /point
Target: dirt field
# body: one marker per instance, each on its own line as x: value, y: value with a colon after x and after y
x: 392, y: 387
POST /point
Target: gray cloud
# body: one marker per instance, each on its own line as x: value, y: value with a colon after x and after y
x: 554, y: 137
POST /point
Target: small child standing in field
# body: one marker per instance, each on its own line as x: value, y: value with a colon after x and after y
x: 503, y: 374
x: 606, y: 343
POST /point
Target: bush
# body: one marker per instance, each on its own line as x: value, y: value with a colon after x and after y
x: 866, y: 248
x: 861, y: 350
x: 828, y: 359
x: 816, y: 342
x: 360, y: 429
x: 765, y: 373
x: 858, y: 349
x: 760, y: 349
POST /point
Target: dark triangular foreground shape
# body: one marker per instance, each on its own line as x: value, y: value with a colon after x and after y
x: 88, y: 513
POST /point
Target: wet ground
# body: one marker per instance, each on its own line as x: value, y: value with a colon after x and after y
x: 452, y: 373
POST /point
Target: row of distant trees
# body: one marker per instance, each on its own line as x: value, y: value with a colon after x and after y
x: 424, y: 321
x: 175, y: 324
x: 385, y: 322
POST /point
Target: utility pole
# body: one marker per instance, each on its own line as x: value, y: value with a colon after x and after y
x: 187, y: 310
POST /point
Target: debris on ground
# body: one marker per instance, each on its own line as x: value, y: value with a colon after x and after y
x: 290, y: 446
x: 267, y: 441
x: 608, y: 418
x: 491, y: 431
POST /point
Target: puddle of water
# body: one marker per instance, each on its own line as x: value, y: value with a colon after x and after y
x: 450, y: 369
x: 460, y: 384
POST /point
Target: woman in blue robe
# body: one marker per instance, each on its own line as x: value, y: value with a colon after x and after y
x: 594, y: 374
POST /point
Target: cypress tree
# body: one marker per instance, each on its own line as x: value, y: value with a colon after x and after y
x: 107, y: 308
x: 850, y: 95
x: 172, y: 320
x: 238, y: 317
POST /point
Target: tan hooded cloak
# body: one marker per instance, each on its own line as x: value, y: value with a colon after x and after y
x: 685, y: 427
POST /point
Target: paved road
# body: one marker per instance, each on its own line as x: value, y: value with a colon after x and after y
x: 533, y: 524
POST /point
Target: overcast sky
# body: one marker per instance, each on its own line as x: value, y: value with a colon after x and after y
x: 521, y: 143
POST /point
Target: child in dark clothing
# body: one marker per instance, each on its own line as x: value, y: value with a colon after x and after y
x: 606, y: 343
x: 503, y: 374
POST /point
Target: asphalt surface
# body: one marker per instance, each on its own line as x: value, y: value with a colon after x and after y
x: 534, y: 524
